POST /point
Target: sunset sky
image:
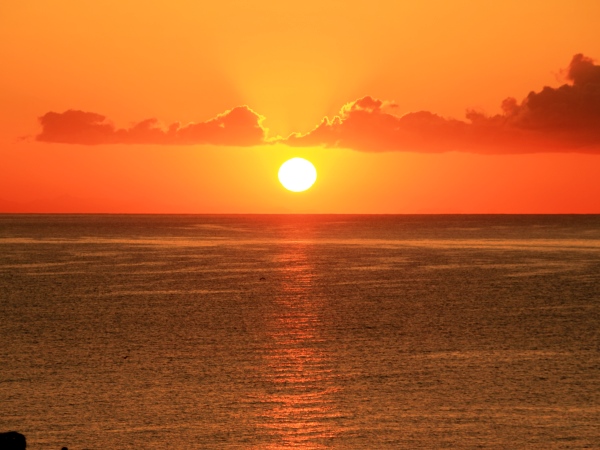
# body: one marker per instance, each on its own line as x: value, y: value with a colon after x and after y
x: 403, y: 107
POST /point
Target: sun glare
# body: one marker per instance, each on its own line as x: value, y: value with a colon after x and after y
x: 297, y: 174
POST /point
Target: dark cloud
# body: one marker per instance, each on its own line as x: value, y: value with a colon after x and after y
x: 555, y: 119
x: 562, y: 119
x: 237, y: 127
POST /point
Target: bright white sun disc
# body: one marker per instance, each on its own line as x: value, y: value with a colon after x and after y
x: 297, y: 174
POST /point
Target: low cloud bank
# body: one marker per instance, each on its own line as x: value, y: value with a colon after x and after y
x: 566, y: 118
x: 563, y: 119
x: 239, y: 126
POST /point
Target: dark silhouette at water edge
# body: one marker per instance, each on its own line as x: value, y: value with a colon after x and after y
x: 12, y: 440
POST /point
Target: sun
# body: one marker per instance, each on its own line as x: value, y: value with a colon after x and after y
x: 297, y: 174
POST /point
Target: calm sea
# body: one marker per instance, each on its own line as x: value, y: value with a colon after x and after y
x: 312, y: 332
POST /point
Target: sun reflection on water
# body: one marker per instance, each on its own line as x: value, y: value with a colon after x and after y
x: 301, y: 387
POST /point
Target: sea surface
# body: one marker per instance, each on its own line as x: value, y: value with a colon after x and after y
x: 310, y: 332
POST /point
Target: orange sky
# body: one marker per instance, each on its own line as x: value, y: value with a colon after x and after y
x: 246, y: 75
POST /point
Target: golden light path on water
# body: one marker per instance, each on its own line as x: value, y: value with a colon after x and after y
x: 301, y: 410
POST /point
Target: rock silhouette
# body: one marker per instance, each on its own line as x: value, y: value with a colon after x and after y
x: 12, y: 441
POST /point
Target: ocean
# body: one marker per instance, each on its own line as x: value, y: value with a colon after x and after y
x: 311, y: 332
